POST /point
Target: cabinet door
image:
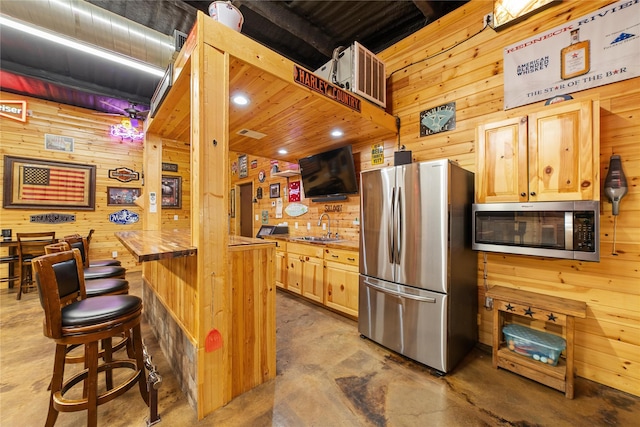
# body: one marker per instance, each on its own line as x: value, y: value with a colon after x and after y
x: 281, y: 269
x: 294, y: 273
x: 341, y: 282
x: 501, y: 161
x: 561, y: 153
x: 312, y: 279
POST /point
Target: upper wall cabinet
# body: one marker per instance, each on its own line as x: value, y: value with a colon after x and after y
x: 549, y: 155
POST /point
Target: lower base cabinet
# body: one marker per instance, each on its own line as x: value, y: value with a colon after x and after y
x: 328, y: 276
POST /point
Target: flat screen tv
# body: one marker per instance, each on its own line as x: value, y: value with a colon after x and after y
x: 329, y: 174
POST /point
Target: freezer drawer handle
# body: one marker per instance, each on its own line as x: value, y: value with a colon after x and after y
x: 398, y: 294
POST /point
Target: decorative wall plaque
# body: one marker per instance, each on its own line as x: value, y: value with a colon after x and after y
x: 124, y: 174
x: 124, y: 217
x: 169, y: 167
x: 52, y: 218
x: 438, y: 119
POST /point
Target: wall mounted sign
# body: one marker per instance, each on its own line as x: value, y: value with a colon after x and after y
x: 242, y: 166
x: 127, y: 129
x: 38, y: 184
x: 333, y: 208
x: 296, y: 209
x: 259, y: 193
x: 438, y: 119
x: 52, y: 218
x: 597, y: 49
x: 316, y: 84
x: 169, y: 167
x: 254, y: 164
x: 265, y: 217
x: 171, y: 191
x: 262, y: 176
x: 234, y: 168
x: 124, y: 174
x: 124, y: 217
x: 294, y: 191
x: 122, y: 196
x: 377, y: 154
x: 14, y: 110
x: 58, y: 143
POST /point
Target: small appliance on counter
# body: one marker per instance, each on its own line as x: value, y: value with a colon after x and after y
x: 268, y: 230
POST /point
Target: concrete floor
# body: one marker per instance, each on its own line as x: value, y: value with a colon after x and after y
x: 326, y: 376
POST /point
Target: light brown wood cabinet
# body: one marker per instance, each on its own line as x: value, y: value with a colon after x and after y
x: 304, y: 270
x: 341, y: 280
x: 281, y: 264
x: 548, y: 155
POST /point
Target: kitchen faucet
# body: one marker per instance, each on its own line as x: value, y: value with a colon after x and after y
x: 328, y: 223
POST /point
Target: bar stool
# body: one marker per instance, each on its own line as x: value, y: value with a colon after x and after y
x: 94, y: 287
x: 96, y: 262
x: 70, y: 318
x: 30, y: 245
x: 90, y: 273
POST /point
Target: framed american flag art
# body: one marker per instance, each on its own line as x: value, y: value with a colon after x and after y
x: 42, y: 184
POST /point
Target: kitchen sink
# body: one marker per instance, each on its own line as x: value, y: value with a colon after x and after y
x: 319, y: 239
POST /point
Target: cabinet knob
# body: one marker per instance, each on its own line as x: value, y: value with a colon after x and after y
x: 523, y: 194
x: 533, y: 193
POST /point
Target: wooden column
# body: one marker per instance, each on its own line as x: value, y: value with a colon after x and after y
x: 209, y: 198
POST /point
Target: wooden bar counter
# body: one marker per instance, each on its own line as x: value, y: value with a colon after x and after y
x: 242, y: 341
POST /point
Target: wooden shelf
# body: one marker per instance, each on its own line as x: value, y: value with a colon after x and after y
x: 286, y: 174
x: 559, y: 311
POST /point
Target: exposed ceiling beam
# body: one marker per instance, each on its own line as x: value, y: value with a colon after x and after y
x: 425, y: 7
x: 291, y: 22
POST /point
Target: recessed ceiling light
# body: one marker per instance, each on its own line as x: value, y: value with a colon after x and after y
x: 240, y: 100
x: 282, y: 151
x: 336, y: 132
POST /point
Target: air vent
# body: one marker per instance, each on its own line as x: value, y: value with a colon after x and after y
x: 179, y: 38
x: 251, y: 134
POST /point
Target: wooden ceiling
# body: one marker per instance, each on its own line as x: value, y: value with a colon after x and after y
x: 292, y: 116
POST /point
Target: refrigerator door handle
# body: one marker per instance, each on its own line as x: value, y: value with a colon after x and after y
x: 399, y: 227
x: 390, y: 227
x: 399, y: 294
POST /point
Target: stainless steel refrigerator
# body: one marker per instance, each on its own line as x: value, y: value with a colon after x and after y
x: 418, y: 274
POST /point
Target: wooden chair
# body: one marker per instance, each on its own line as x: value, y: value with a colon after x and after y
x: 90, y: 273
x: 94, y: 287
x: 70, y: 318
x: 96, y: 262
x: 30, y: 245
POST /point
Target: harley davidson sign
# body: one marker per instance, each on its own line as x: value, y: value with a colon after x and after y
x: 316, y: 84
x: 124, y: 174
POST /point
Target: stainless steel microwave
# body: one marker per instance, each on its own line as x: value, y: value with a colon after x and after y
x: 568, y: 230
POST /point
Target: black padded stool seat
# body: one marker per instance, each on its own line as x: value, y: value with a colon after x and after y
x: 91, y: 311
x: 72, y: 319
x: 99, y: 287
x: 91, y: 273
x: 105, y: 263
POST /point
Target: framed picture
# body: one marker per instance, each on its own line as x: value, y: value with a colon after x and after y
x: 274, y: 191
x: 171, y: 192
x: 42, y: 184
x: 121, y: 196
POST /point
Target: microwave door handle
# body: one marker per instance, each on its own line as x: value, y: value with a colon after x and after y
x: 568, y: 231
x: 390, y: 226
x: 399, y: 229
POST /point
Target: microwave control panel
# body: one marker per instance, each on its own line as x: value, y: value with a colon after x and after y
x: 583, y: 231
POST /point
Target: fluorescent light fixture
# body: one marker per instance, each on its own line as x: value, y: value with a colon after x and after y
x: 101, y: 53
x: 240, y: 100
x: 282, y: 151
x: 336, y: 133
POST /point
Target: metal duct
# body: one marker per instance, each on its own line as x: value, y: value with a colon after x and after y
x: 85, y: 22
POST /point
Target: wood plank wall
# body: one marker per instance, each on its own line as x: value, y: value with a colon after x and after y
x: 471, y: 74
x: 92, y: 145
x: 343, y: 214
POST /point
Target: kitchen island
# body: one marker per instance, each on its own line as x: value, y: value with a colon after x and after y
x: 239, y: 345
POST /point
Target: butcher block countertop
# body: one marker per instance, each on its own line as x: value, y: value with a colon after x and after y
x: 163, y: 244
